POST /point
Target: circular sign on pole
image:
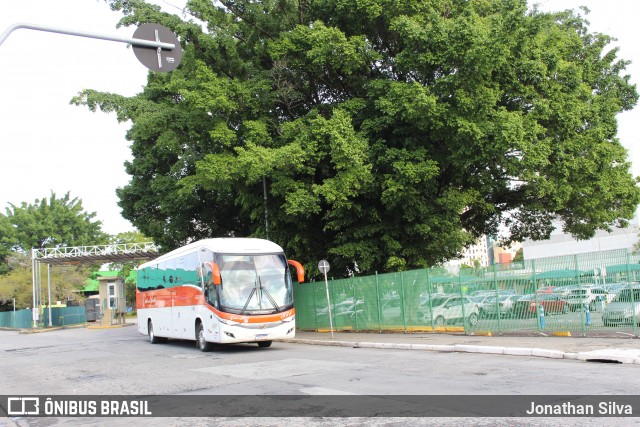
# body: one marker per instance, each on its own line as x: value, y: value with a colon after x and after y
x: 157, y: 59
x: 323, y: 266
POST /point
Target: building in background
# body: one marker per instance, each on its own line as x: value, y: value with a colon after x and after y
x: 560, y: 244
x: 486, y: 252
x: 476, y: 255
x: 503, y: 254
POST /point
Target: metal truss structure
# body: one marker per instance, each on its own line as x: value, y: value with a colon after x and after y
x: 75, y: 255
x: 123, y: 252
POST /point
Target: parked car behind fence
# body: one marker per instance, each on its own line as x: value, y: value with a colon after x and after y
x: 502, y: 306
x: 448, y: 309
x: 525, y: 306
x: 521, y: 307
x: 624, y: 308
x: 579, y: 298
x: 601, y: 297
x: 480, y: 301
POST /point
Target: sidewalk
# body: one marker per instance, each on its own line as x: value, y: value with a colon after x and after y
x: 622, y: 349
x: 617, y: 347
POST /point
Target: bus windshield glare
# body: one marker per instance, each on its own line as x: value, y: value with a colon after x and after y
x: 254, y: 284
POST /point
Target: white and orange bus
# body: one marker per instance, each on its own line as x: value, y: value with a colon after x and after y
x: 223, y: 290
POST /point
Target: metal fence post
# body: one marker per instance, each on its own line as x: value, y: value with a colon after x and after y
x: 429, y: 293
x: 402, y: 307
x: 535, y: 290
x: 355, y: 301
x: 378, y: 302
x: 634, y: 319
x: 332, y: 313
x: 315, y: 305
x: 495, y: 288
x: 464, y: 315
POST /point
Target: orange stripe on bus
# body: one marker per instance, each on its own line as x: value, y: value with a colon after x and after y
x: 257, y: 318
x: 181, y: 296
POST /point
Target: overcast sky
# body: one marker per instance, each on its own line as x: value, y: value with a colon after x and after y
x: 49, y: 145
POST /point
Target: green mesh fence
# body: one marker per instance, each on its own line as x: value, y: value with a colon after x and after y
x: 16, y: 319
x: 587, y: 294
x: 63, y: 316
x: 60, y: 316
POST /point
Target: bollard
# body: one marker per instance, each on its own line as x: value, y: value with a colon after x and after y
x: 541, y: 312
x: 587, y: 315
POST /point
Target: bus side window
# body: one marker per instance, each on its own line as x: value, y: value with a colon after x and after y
x: 170, y: 272
x: 210, y: 290
x: 190, y: 273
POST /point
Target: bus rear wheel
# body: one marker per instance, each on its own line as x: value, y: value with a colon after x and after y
x: 203, y: 345
x: 264, y: 344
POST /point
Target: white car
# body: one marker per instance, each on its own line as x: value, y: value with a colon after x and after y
x: 601, y: 297
x: 579, y: 298
x: 624, y: 309
x: 448, y: 309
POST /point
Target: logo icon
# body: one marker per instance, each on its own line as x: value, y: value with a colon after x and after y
x: 23, y: 406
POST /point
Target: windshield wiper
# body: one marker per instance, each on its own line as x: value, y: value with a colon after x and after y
x: 253, y: 291
x: 269, y: 297
x: 266, y: 293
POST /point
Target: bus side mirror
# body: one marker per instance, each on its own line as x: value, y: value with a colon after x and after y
x: 215, y: 273
x: 299, y: 269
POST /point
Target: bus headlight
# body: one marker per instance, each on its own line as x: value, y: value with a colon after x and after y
x: 228, y: 322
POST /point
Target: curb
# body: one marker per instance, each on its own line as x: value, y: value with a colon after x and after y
x: 58, y: 328
x: 55, y: 328
x: 119, y: 325
x: 618, y: 356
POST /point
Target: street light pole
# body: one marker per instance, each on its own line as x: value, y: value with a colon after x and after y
x: 34, y: 315
x: 37, y: 27
x: 266, y: 212
x: 49, y: 286
x: 324, y: 268
x: 153, y: 53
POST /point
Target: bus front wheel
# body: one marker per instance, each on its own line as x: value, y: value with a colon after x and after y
x: 203, y: 345
x: 153, y: 339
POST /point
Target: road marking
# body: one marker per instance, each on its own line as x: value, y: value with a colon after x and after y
x: 283, y: 369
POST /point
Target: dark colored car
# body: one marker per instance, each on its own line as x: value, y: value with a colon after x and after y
x: 522, y: 306
x: 552, y: 303
x: 502, y: 306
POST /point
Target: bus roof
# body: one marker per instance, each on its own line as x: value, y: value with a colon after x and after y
x: 233, y: 245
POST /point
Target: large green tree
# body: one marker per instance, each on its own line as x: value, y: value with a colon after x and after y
x: 49, y: 223
x: 386, y: 132
x: 6, y: 235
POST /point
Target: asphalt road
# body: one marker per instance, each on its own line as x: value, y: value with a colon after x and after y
x: 122, y: 362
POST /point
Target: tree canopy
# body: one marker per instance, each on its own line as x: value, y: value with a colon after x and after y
x: 391, y: 133
x: 49, y: 223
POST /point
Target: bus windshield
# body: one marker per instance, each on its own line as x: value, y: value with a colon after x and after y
x: 254, y: 284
